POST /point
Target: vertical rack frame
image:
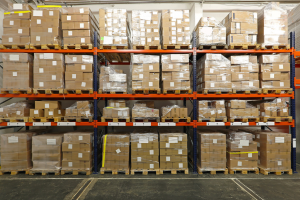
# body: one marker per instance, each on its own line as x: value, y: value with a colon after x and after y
x: 95, y: 84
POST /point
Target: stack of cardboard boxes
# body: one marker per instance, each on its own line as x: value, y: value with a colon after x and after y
x: 47, y: 109
x: 144, y: 110
x: 115, y: 154
x: 175, y: 72
x: 113, y: 27
x: 17, y: 71
x: 211, y: 110
x: 80, y: 109
x: 112, y: 80
x: 48, y: 71
x: 244, y: 72
x: 274, y: 71
x: 242, y: 151
x: 209, y: 31
x: 241, y: 109
x: 46, y: 152
x: 145, y: 72
x: 241, y: 28
x: 213, y: 73
x: 273, y: 108
x: 273, y: 25
x: 77, y: 149
x: 173, y: 151
x: 144, y: 151
x: 46, y: 26
x: 174, y: 112
x: 16, y: 25
x: 79, y: 25
x: 16, y: 110
x: 212, y: 151
x: 116, y: 109
x: 145, y: 28
x: 79, y: 72
x: 176, y: 27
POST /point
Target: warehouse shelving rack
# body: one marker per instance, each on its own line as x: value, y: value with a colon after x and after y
x: 194, y: 96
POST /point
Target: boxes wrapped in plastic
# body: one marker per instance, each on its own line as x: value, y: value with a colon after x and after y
x: 80, y: 109
x: 19, y: 7
x: 112, y: 80
x: 16, y: 110
x: 174, y: 111
x: 143, y: 110
x: 240, y: 109
x: 118, y: 103
x: 111, y: 112
x: 115, y: 151
x: 210, y: 110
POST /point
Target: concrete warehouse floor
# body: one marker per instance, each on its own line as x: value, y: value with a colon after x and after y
x: 165, y: 187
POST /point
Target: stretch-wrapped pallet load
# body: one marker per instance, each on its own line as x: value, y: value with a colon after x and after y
x: 16, y: 110
x: 176, y: 28
x: 175, y: 72
x: 173, y: 151
x: 113, y: 27
x: 116, y: 113
x: 80, y: 109
x: 145, y: 28
x: 294, y: 26
x: 17, y: 71
x: 144, y: 151
x: 214, y: 73
x: 79, y: 25
x: 142, y: 110
x: 115, y: 152
x: 112, y: 80
x: 241, y: 28
x: 241, y: 110
x: 49, y: 109
x: 274, y: 71
x: 244, y: 73
x: 145, y: 71
x: 175, y: 111
x: 211, y: 111
x: 46, y: 27
x: 16, y: 25
x: 273, y: 26
x: 77, y: 151
x: 211, y: 151
x: 209, y: 31
x: 79, y: 72
x: 48, y: 71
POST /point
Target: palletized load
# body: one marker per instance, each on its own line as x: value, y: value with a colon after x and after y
x: 174, y: 113
x: 176, y: 29
x: 145, y: 29
x: 175, y: 73
x: 241, y: 111
x: 80, y: 111
x: 117, y: 111
x: 46, y: 111
x: 211, y: 111
x: 294, y: 25
x: 113, y: 27
x: 211, y: 152
x: 19, y: 110
x: 144, y: 111
x: 145, y: 74
x: 112, y: 80
x: 115, y: 153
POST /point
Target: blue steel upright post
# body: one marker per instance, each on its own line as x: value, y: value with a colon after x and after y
x: 293, y: 104
x: 195, y: 111
x: 95, y: 103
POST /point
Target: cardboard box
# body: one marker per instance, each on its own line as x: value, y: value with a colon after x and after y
x: 47, y: 104
x: 54, y: 112
x: 37, y: 113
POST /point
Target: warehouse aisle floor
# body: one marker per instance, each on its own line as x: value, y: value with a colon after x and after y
x: 141, y: 187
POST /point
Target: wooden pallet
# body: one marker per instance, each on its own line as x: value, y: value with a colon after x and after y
x: 104, y: 119
x: 69, y: 91
x: 146, y: 120
x: 14, y: 46
x: 146, y: 47
x: 16, y: 91
x: 14, y: 172
x: 174, y: 171
x: 258, y: 91
x: 212, y: 119
x: 112, y: 92
x: 44, y: 172
x: 104, y: 170
x: 203, y: 171
x: 275, y: 47
x: 14, y: 119
x: 45, y: 119
x: 276, y: 119
x: 244, y: 119
x: 277, y: 91
x: 48, y: 91
x: 243, y: 171
x: 244, y: 46
x: 45, y: 46
x: 177, y: 46
x: 144, y: 171
x: 276, y: 172
x: 118, y: 57
x: 78, y: 119
x: 113, y: 47
x: 78, y: 46
x: 210, y: 91
x: 177, y: 91
x: 213, y: 47
x: 176, y: 119
x: 76, y: 172
x: 146, y: 91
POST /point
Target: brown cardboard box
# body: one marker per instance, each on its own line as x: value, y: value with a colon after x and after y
x: 54, y: 112
x: 78, y: 137
x: 270, y: 76
x: 239, y: 76
x: 37, y: 113
x: 183, y: 113
x: 47, y: 104
x: 236, y: 104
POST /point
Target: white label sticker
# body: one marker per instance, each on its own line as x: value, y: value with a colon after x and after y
x: 15, y: 73
x: 70, y: 164
x: 41, y: 84
x: 47, y: 105
x: 79, y: 155
x: 81, y: 10
x: 280, y: 66
x: 294, y: 142
x: 13, y: 139
x: 139, y: 159
x: 250, y: 83
x: 53, y: 77
x: 51, y: 141
x: 150, y: 67
x: 167, y: 145
x: 239, y: 163
x: 20, y: 31
x: 1, y: 109
x: 82, y: 40
x: 50, y: 112
x: 37, y: 13
x: 74, y: 76
x: 143, y: 140
x: 17, y: 6
x: 151, y: 152
x: 38, y: 38
x: 219, y: 111
x: 70, y: 146
x: 215, y: 141
x: 180, y: 138
x: 41, y: 70
x: 50, y: 13
x: 281, y: 84
x: 49, y: 30
x: 223, y: 78
x: 150, y: 84
x: 10, y: 39
x: 83, y: 67
x: 54, y: 63
x: 244, y: 142
x: 38, y: 21
x: 139, y: 145
x: 212, y: 84
x: 83, y: 84
x: 279, y: 139
x: 240, y: 76
x: 211, y: 70
x: 249, y: 155
x: 212, y: 112
x: 66, y: 123
x: 279, y: 163
x: 69, y: 17
x: 81, y: 25
x: 285, y: 110
x: 171, y: 84
x: 179, y: 151
x: 80, y: 137
x: 151, y: 166
x: 140, y: 75
x: 20, y: 14
x: 14, y: 57
x: 118, y: 151
x: 11, y: 23
x: 170, y: 66
x: 180, y: 165
x: 18, y: 112
x: 168, y: 158
x: 271, y: 75
x: 173, y: 139
x: 36, y: 112
x: 70, y: 33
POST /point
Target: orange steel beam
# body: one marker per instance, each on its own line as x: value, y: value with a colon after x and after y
x: 199, y: 96
x: 246, y: 51
x: 91, y: 51
x: 146, y: 96
x: 297, y: 83
x: 152, y: 123
x: 58, y: 96
x: 253, y: 123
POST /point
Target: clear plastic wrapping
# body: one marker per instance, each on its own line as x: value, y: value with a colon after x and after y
x: 277, y: 107
x: 112, y: 112
x: 211, y: 109
x: 294, y: 25
x: 174, y: 111
x: 16, y: 110
x: 144, y: 150
x: 80, y: 109
x: 143, y: 110
x: 118, y: 103
x: 240, y: 109
x: 112, y: 80
x: 212, y: 150
x: 115, y: 151
x: 19, y: 6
